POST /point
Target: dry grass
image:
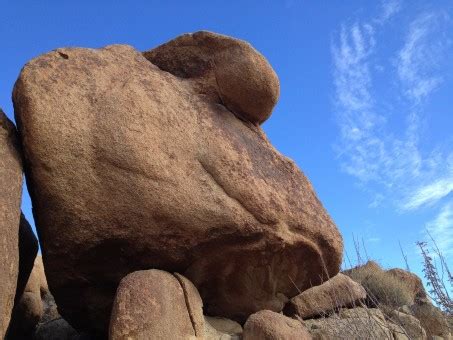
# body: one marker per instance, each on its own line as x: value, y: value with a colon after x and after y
x: 383, y: 289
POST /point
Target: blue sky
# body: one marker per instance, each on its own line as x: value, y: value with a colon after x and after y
x: 365, y: 107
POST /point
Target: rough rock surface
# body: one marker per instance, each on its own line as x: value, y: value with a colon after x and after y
x: 268, y: 325
x: 339, y: 291
x: 413, y: 282
x: 130, y: 168
x: 228, y: 70
x: 153, y: 304
x: 357, y: 323
x: 10, y: 197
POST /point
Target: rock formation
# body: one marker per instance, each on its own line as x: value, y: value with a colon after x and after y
x: 268, y: 325
x: 153, y: 304
x: 134, y: 166
x: 10, y: 198
x: 339, y: 291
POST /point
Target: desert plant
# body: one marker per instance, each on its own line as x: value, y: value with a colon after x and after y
x: 437, y: 279
x: 383, y: 289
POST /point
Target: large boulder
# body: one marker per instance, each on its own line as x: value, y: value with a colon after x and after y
x: 228, y: 70
x: 153, y: 304
x: 131, y: 168
x: 339, y: 291
x: 10, y: 198
x: 268, y: 325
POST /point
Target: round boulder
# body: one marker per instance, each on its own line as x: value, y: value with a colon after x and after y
x: 227, y: 68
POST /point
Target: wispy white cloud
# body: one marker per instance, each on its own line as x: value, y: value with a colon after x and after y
x: 369, y: 148
x: 419, y: 56
x: 441, y: 229
x: 429, y: 194
x: 389, y: 9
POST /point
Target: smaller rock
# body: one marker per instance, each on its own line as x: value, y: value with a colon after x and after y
x: 28, y: 248
x: 432, y: 319
x: 221, y: 329
x: 339, y: 291
x: 58, y: 329
x: 27, y: 311
x: 154, y: 304
x: 268, y: 325
x: 228, y: 68
x: 411, y: 326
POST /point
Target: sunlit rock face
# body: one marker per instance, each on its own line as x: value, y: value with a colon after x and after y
x: 132, y: 165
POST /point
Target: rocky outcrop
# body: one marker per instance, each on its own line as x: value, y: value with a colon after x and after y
x: 339, y: 291
x: 130, y: 167
x: 154, y: 304
x: 10, y: 198
x: 412, y: 281
x: 230, y: 71
x: 268, y: 325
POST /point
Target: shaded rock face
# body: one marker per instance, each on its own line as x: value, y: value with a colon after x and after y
x: 129, y: 167
x: 229, y: 71
x: 339, y: 291
x: 154, y: 304
x: 27, y: 309
x: 10, y: 197
x: 268, y: 325
x: 28, y: 248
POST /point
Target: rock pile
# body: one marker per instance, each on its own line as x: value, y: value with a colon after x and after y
x: 157, y: 161
x: 163, y: 211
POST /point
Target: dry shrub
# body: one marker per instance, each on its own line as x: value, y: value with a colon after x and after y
x: 383, y: 289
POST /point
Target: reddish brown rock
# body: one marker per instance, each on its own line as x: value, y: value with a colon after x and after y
x: 131, y: 168
x: 153, y: 304
x: 339, y: 291
x: 268, y: 325
x: 229, y: 70
x: 10, y: 197
x: 412, y: 281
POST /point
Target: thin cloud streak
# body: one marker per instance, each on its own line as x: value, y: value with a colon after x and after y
x: 441, y: 229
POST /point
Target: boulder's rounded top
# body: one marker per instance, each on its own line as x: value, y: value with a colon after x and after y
x: 228, y: 69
